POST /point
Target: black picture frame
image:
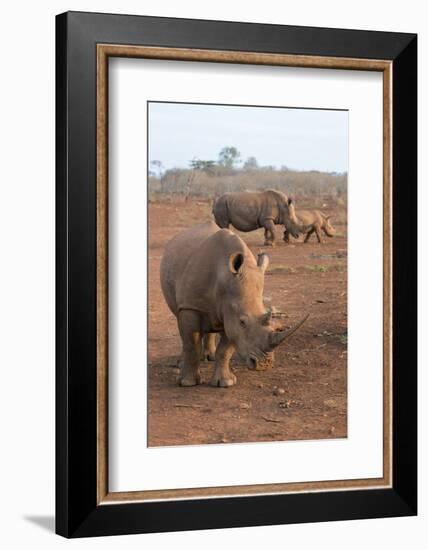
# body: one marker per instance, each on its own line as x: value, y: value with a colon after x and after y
x: 77, y: 512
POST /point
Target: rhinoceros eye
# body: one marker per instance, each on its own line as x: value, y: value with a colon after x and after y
x: 243, y: 321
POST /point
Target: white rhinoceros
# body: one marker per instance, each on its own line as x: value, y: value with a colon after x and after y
x: 249, y: 211
x: 212, y: 283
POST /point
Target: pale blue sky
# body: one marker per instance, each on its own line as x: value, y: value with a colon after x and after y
x: 302, y: 139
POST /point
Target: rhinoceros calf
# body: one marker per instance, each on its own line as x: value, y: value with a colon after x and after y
x: 250, y: 211
x: 212, y: 283
x: 314, y: 220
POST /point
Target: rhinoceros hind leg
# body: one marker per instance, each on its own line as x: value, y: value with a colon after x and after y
x: 223, y: 377
x: 269, y: 232
x: 208, y: 347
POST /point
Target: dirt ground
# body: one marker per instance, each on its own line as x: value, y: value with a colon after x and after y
x: 304, y: 396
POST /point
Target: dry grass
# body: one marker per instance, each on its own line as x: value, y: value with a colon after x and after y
x: 317, y: 268
x: 317, y: 185
x: 280, y: 268
x: 313, y: 268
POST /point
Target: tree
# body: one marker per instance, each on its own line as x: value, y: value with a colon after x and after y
x: 157, y: 164
x: 251, y: 164
x: 229, y: 156
x: 207, y: 166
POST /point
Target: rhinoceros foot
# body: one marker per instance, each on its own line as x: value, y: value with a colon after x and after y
x: 269, y: 243
x: 190, y: 379
x: 223, y: 379
x: 208, y: 355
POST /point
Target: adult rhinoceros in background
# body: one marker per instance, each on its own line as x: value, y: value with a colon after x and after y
x: 249, y: 211
x: 212, y: 283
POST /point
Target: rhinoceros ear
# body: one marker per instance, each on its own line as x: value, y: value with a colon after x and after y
x: 290, y: 201
x: 235, y: 262
x: 263, y: 261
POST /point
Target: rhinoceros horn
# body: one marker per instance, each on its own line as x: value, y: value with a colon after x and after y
x: 278, y: 337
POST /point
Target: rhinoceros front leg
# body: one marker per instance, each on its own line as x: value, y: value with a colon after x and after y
x: 188, y: 324
x: 318, y: 232
x: 308, y: 235
x: 223, y: 377
x: 269, y: 232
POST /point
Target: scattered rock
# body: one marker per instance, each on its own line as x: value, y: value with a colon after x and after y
x: 332, y: 430
x: 290, y: 403
x: 267, y: 419
x: 244, y: 406
x: 278, y: 391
